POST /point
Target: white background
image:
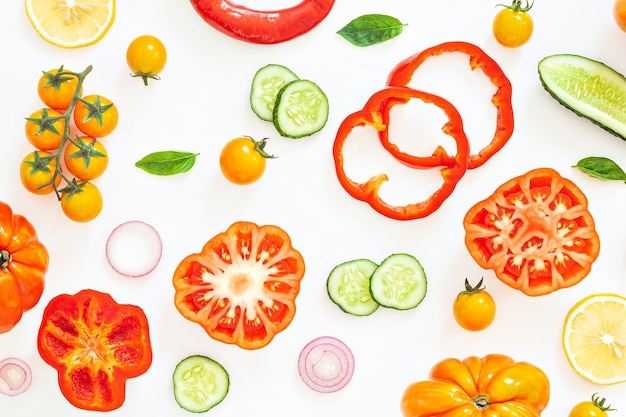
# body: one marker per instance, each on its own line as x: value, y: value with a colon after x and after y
x: 202, y: 101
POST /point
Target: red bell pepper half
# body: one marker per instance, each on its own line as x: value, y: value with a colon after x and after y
x: 402, y: 74
x: 95, y: 344
x: 375, y: 114
x: 262, y: 26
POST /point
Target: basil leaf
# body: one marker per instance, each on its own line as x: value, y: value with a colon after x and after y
x: 167, y: 162
x: 602, y: 168
x: 371, y: 28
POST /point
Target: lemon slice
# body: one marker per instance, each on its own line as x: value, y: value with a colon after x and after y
x: 594, y: 338
x: 71, y: 23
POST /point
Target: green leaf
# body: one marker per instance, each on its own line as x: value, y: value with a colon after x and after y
x: 602, y: 168
x: 167, y: 162
x: 370, y: 29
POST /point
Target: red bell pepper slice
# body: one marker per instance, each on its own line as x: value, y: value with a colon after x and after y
x: 263, y: 26
x: 402, y: 74
x: 373, y: 114
x: 95, y: 344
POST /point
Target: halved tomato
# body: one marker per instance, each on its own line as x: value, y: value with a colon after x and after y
x: 242, y: 287
x: 535, y: 232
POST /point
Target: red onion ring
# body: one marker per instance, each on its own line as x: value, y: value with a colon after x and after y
x: 326, y: 364
x: 134, y: 249
x: 15, y: 376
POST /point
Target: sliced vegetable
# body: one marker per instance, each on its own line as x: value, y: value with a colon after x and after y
x: 370, y: 29
x: 602, y: 168
x: 23, y: 266
x: 372, y: 115
x: 134, y: 249
x: 494, y: 385
x: 95, y: 345
x: 266, y: 84
x: 348, y: 286
x: 402, y: 74
x: 200, y: 383
x: 399, y: 282
x: 167, y: 162
x: 262, y: 26
x: 326, y: 364
x: 589, y: 88
x: 301, y: 109
x: 15, y: 376
x: 535, y: 232
x: 242, y: 287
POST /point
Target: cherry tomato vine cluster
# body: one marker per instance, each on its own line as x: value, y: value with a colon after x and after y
x: 66, y: 135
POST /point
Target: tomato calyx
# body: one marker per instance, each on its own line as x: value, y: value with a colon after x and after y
x: 95, y: 109
x: 86, y: 150
x: 599, y: 402
x: 517, y: 5
x: 259, y: 146
x: 145, y: 75
x: 5, y: 258
x: 469, y: 289
x: 481, y: 402
x: 45, y: 122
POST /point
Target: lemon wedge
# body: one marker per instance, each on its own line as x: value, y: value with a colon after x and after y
x: 594, y: 338
x: 71, y: 23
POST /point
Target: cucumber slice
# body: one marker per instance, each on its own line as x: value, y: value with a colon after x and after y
x: 266, y: 84
x: 399, y: 282
x: 589, y: 88
x: 348, y: 286
x: 301, y: 109
x: 200, y: 383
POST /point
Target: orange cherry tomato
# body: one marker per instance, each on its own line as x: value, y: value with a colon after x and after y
x: 57, y: 88
x: 474, y: 308
x: 146, y: 57
x: 513, y: 26
x: 594, y: 408
x: 242, y: 160
x: 37, y: 172
x: 619, y: 14
x: 95, y: 116
x: 45, y: 129
x: 81, y: 201
x: 86, y: 158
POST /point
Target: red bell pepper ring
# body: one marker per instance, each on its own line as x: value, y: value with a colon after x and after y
x: 372, y: 114
x: 402, y: 74
x: 261, y: 26
x: 95, y: 344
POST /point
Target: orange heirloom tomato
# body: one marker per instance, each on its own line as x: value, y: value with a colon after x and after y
x: 37, y: 172
x: 493, y: 386
x: 86, y: 158
x: 95, y: 345
x: 45, y: 129
x: 23, y: 266
x: 535, y: 232
x: 56, y: 88
x: 96, y: 116
x: 242, y: 287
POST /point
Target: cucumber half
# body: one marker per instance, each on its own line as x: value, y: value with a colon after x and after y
x: 301, y: 109
x: 399, y: 282
x: 200, y: 383
x: 590, y: 88
x: 266, y: 84
x: 348, y: 286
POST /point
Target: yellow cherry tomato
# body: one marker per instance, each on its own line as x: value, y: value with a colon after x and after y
x: 243, y: 160
x: 45, y: 129
x: 513, y: 26
x: 95, y: 116
x: 86, y: 158
x: 81, y: 201
x: 594, y: 408
x: 474, y: 308
x: 57, y: 87
x: 619, y: 14
x: 37, y: 172
x: 146, y: 57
